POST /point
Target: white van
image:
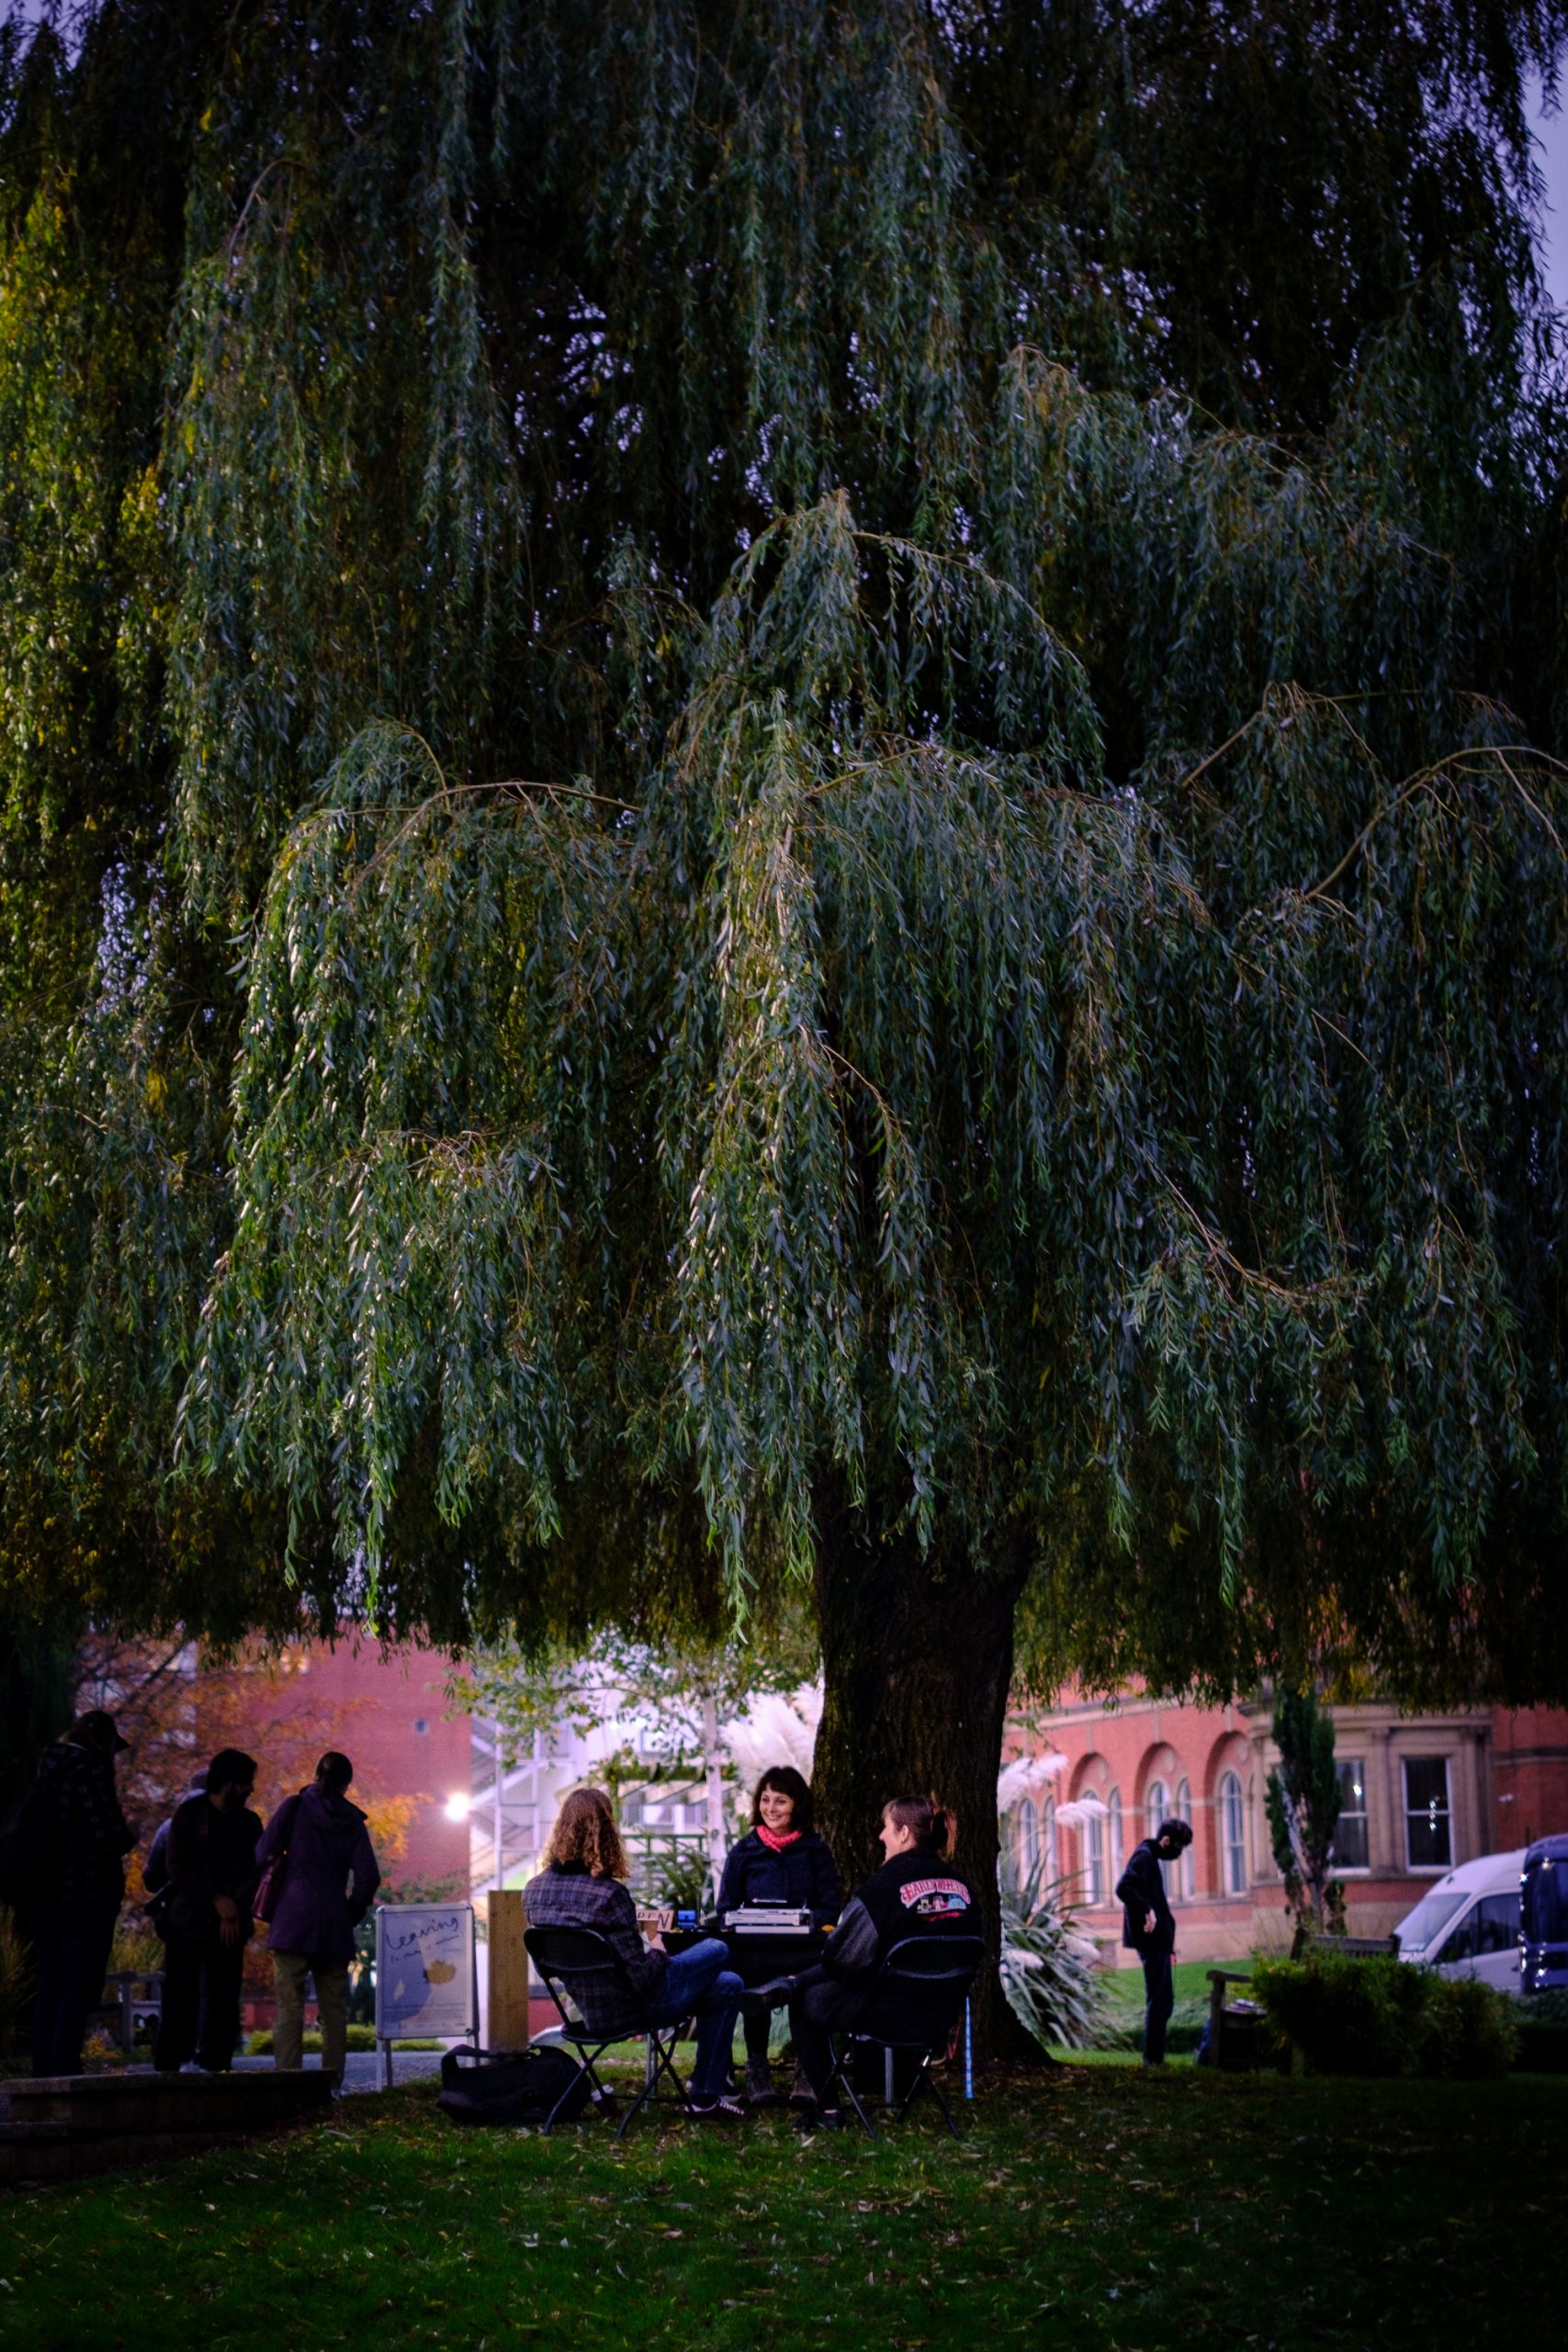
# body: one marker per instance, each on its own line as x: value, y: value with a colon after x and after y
x: 1467, y: 1924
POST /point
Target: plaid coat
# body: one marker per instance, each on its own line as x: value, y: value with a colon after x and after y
x: 569, y: 1898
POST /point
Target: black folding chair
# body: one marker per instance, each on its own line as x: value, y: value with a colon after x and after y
x: 563, y: 1954
x: 919, y: 1990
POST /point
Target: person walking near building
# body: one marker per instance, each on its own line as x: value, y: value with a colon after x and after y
x: 1149, y: 1929
x: 323, y: 1876
x: 80, y: 1837
x: 212, y: 1879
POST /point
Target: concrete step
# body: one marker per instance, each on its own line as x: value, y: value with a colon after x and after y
x: 63, y: 2126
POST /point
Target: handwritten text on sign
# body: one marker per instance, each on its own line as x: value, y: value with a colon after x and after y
x: 424, y: 1969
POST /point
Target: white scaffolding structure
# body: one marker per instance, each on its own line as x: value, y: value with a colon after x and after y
x: 511, y: 1808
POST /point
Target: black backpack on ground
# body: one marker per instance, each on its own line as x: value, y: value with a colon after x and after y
x: 479, y: 2086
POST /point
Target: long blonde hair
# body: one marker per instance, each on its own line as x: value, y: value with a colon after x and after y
x: 585, y: 1831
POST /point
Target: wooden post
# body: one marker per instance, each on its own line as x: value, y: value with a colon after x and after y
x: 508, y: 2025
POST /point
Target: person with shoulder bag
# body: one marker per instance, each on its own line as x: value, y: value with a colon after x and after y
x: 320, y: 1876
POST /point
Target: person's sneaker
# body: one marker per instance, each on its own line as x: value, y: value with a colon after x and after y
x: 759, y: 2091
x: 715, y: 2111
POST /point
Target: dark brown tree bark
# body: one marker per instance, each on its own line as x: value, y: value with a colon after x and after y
x: 916, y: 1657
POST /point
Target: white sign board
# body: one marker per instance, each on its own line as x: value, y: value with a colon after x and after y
x: 426, y: 1981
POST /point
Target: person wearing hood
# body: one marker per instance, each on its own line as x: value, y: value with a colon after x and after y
x: 84, y: 1835
x: 324, y: 1875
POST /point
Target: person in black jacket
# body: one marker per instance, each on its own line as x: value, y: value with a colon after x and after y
x: 1148, y: 1929
x: 780, y: 1859
x: 915, y: 1894
x: 212, y: 1879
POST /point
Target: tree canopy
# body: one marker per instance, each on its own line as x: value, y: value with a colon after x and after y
x: 780, y: 785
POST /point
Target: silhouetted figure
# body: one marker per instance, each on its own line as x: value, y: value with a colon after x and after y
x: 318, y: 1848
x: 212, y: 1876
x: 83, y: 1836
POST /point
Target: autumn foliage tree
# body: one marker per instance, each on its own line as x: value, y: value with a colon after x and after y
x: 781, y: 795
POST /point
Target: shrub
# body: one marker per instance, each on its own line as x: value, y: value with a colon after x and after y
x: 1384, y: 2017
x: 1469, y: 2029
x: 1543, y: 2033
x: 1050, y: 1972
x: 360, y: 2037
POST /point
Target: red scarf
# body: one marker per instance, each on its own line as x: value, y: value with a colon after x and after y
x: 776, y: 1840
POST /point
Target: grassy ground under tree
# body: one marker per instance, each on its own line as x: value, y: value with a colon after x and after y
x: 1099, y: 2207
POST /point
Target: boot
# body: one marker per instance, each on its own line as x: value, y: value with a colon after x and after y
x: 759, y: 2091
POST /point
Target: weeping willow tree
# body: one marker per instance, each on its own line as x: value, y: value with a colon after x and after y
x: 771, y: 809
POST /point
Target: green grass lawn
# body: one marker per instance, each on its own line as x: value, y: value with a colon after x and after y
x: 1099, y: 2207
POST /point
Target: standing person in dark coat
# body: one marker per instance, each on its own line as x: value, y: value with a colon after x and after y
x: 1148, y: 1929
x: 213, y: 1878
x: 155, y: 1870
x: 780, y: 1859
x: 72, y: 1917
x: 319, y: 1843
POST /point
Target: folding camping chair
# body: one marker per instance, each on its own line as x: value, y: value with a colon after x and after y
x: 918, y: 1990
x: 562, y: 1954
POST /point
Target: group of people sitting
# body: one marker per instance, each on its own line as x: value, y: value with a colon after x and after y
x: 782, y: 1859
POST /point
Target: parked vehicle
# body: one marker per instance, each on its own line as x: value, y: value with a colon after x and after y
x: 1544, y: 1904
x: 1467, y: 1924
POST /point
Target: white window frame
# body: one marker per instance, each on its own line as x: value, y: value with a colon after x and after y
x: 1186, y: 1866
x: 1356, y: 1870
x: 1232, y: 1851
x: 1117, y: 1844
x: 1027, y: 1822
x: 1427, y: 1870
x: 1157, y: 1809
x: 1094, y: 1860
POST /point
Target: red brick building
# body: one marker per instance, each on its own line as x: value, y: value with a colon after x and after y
x: 387, y: 1711
x: 1422, y: 1793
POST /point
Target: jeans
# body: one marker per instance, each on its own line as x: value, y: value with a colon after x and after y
x: 700, y: 1983
x: 817, y: 2004
x: 1159, y: 1999
x: 290, y: 1970
x: 200, y: 2016
x: 71, y: 1953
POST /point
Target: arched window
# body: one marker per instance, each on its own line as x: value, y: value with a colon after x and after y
x: 1157, y: 1812
x: 1052, y: 1867
x: 1094, y: 1859
x: 1188, y: 1876
x: 1232, y: 1834
x: 1113, y: 1822
x: 1028, y: 1840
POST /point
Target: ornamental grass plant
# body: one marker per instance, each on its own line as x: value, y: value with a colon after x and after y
x: 1050, y: 1974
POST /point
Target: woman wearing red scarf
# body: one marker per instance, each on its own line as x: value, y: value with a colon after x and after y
x: 780, y: 1859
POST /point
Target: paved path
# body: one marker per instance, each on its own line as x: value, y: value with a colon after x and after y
x: 363, y: 2071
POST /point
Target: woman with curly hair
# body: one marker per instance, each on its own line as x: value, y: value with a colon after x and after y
x: 582, y: 1884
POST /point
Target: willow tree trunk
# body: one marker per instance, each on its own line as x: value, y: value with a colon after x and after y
x: 917, y: 1657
